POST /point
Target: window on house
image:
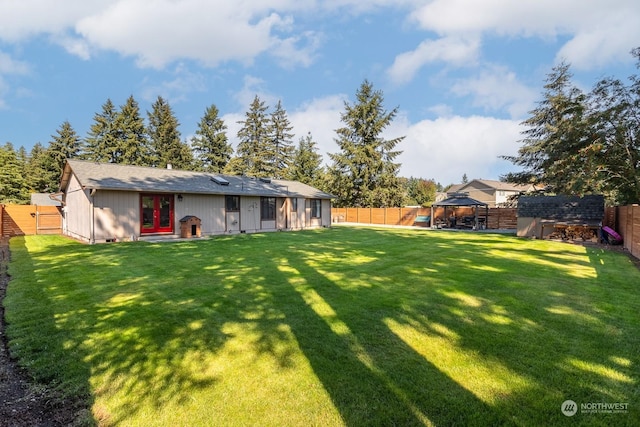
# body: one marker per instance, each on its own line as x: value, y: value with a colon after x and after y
x: 294, y: 204
x: 316, y: 208
x: 232, y: 203
x: 267, y: 208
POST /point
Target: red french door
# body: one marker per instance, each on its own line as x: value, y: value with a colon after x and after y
x: 157, y: 213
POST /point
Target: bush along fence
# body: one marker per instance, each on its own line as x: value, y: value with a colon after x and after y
x: 499, y: 218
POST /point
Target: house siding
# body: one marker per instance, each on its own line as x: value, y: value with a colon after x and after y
x: 116, y: 215
x: 210, y: 210
x: 76, y: 211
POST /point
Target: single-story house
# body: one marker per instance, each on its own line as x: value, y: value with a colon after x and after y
x: 105, y: 202
x: 493, y: 193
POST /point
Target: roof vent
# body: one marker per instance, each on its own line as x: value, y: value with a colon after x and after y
x: 266, y: 180
x: 219, y: 180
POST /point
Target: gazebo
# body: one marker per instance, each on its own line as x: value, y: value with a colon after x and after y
x: 454, y: 200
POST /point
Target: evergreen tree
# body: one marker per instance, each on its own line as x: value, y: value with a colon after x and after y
x: 253, y: 147
x: 66, y: 144
x: 164, y: 137
x: 132, y: 140
x: 281, y: 143
x: 101, y: 143
x: 306, y: 166
x: 555, y: 149
x: 363, y: 173
x: 210, y: 144
x: 615, y: 119
x: 13, y: 185
x: 38, y: 179
x: 578, y: 144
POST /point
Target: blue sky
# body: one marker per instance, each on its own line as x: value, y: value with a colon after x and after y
x: 463, y: 73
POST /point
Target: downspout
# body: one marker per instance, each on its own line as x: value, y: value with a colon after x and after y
x: 92, y: 226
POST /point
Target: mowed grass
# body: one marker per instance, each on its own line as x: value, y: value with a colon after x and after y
x: 342, y: 326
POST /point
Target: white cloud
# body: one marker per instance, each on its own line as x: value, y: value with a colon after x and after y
x: 495, y: 88
x: 178, y: 88
x: 452, y: 50
x: 600, y: 31
x: 8, y: 65
x: 446, y: 148
x: 321, y: 117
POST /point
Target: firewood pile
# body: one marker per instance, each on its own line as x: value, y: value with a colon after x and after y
x: 574, y: 233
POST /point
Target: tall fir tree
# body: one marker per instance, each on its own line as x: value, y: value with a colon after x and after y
x: 555, y: 150
x: 253, y: 147
x: 306, y: 166
x: 101, y: 143
x: 164, y: 137
x: 363, y: 173
x: 66, y: 144
x: 212, y: 150
x: 38, y: 178
x: 13, y: 185
x: 615, y: 118
x: 132, y: 139
x: 280, y: 142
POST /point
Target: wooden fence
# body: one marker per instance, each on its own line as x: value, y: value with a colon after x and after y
x: 627, y: 223
x: 499, y: 218
x: 20, y: 220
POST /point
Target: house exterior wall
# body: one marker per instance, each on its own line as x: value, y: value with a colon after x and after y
x: 116, y: 215
x: 209, y: 208
x: 250, y: 214
x: 326, y: 214
x: 76, y: 211
x: 297, y: 218
x: 479, y: 191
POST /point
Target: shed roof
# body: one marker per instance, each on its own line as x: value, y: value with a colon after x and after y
x: 459, y: 200
x: 110, y: 176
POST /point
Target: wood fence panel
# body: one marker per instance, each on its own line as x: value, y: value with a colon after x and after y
x: 634, y: 246
x: 21, y: 220
x: 377, y: 216
x: 393, y: 216
x: 352, y: 214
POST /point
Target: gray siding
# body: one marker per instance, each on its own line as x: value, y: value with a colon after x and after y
x: 117, y: 215
x: 77, y: 211
x: 210, y: 210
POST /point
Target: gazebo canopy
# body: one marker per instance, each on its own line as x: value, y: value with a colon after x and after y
x: 459, y: 199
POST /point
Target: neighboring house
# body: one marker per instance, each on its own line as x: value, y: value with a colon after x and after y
x: 45, y: 199
x: 493, y: 193
x: 111, y: 202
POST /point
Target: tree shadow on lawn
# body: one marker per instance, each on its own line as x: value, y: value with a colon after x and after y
x: 557, y: 336
x: 384, y: 339
x: 36, y: 340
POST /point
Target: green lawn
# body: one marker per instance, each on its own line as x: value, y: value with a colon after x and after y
x: 342, y: 326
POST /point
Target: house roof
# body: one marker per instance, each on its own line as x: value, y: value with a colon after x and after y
x: 110, y: 176
x: 490, y: 184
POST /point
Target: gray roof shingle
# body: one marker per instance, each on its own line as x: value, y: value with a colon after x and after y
x: 109, y: 176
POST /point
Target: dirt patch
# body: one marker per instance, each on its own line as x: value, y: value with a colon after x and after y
x: 23, y: 402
